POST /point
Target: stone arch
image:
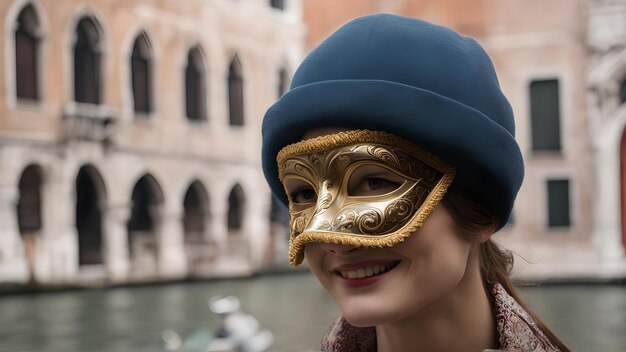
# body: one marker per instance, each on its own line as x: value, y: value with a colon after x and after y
x: 90, y: 205
x: 606, y: 81
x: 236, y: 210
x: 144, y: 225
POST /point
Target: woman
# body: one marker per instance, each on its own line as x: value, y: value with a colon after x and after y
x: 395, y: 151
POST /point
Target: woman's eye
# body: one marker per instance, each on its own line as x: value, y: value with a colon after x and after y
x: 374, y: 186
x: 305, y: 195
x: 375, y: 183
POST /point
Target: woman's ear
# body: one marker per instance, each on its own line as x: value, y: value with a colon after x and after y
x: 486, y: 233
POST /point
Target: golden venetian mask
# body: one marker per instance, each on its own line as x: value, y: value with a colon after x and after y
x: 330, y: 212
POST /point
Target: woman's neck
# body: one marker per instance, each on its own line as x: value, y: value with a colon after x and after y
x: 460, y: 321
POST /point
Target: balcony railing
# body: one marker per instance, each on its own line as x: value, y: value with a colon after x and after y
x: 87, y: 122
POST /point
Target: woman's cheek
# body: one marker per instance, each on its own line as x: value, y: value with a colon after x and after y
x: 436, y: 267
x: 314, y: 255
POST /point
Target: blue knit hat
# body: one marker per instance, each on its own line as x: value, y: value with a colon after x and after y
x: 419, y: 81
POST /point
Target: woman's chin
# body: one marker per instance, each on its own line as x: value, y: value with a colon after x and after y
x: 361, y: 316
x: 361, y: 321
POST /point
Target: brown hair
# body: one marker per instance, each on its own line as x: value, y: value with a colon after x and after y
x: 495, y: 263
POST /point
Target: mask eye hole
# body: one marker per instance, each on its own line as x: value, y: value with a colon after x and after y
x: 372, y: 180
x: 304, y: 196
x: 300, y: 191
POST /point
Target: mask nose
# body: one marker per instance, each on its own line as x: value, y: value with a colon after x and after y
x: 326, y: 196
x: 325, y: 200
x: 338, y: 249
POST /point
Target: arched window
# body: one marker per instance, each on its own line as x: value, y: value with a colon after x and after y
x: 141, y: 68
x: 27, y: 37
x: 235, y: 93
x: 195, y: 86
x: 87, y: 61
x: 283, y: 82
x: 236, y: 203
x: 29, y: 203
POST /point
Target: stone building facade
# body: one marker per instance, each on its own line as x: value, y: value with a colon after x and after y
x: 153, y: 172
x: 606, y: 96
x: 130, y: 134
x: 562, y: 64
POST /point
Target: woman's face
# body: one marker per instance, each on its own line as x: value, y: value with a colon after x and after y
x: 382, y: 285
x: 416, y: 273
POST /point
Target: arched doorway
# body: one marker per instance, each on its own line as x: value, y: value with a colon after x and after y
x: 199, y: 250
x: 90, y: 197
x: 195, y: 206
x: 144, y: 225
x: 237, y: 244
x: 29, y: 212
x: 236, y: 202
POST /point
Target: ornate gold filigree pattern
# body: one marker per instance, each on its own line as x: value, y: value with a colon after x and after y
x: 327, y: 163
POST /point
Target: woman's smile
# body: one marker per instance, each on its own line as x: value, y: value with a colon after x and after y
x: 363, y: 273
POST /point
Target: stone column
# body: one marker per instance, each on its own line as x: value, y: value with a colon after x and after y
x: 219, y: 225
x: 607, y: 229
x: 607, y: 232
x: 57, y: 249
x: 171, y: 244
x: 116, y: 241
x: 256, y: 228
x: 13, y: 264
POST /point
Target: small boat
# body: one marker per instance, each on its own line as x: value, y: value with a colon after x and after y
x: 238, y: 332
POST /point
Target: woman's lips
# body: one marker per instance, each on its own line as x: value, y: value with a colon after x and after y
x: 364, y: 273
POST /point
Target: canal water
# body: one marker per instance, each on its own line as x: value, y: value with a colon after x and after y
x: 293, y: 307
